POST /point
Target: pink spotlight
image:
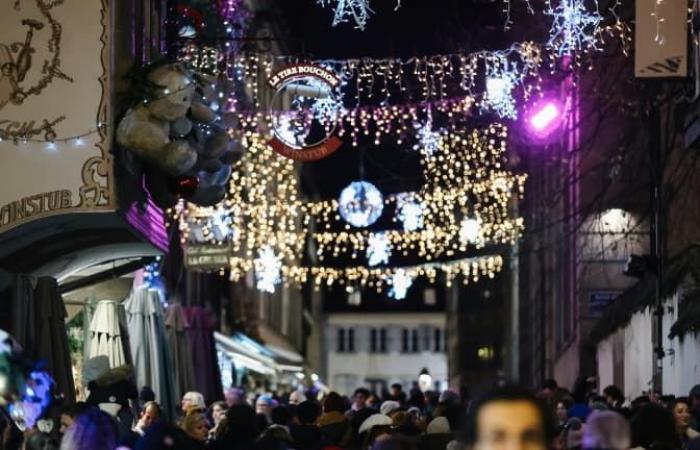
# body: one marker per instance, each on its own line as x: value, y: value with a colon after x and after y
x: 545, y: 118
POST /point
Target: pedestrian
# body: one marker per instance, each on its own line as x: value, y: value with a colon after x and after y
x: 234, y: 396
x: 606, y: 430
x: 217, y: 412
x: 151, y: 413
x: 681, y: 416
x: 335, y: 427
x: 241, y: 429
x: 192, y: 399
x: 91, y: 430
x: 297, y: 397
x: 694, y: 397
x: 194, y: 424
x: 653, y: 428
x: 509, y: 418
x: 307, y: 435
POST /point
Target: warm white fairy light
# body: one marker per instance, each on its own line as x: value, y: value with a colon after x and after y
x: 575, y: 28
x: 268, y: 270
x: 378, y: 249
x: 400, y: 283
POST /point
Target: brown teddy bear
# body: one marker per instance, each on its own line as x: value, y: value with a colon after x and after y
x: 177, y: 131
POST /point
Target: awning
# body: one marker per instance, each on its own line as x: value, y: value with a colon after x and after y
x: 246, y: 353
x: 283, y: 351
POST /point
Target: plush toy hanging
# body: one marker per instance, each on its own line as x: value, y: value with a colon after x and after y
x: 176, y: 131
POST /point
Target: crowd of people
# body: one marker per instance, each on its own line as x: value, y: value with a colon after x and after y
x: 506, y: 418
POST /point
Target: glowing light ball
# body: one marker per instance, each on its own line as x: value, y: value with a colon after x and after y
x: 470, y: 231
x: 360, y: 204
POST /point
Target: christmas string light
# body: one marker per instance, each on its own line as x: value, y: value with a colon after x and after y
x: 357, y: 11
x: 268, y: 268
x: 469, y: 269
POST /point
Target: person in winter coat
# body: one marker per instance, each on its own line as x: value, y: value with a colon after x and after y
x: 335, y: 427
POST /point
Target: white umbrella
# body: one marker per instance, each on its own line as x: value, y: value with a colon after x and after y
x: 149, y: 348
x: 108, y: 334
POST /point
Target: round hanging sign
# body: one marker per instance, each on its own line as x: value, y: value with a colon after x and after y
x: 305, y: 112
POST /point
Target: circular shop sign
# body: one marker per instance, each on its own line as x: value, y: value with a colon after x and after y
x: 305, y: 112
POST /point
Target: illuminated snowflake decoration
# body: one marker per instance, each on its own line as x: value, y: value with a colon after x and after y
x: 326, y: 110
x: 378, y: 249
x: 360, y: 204
x: 409, y: 212
x: 428, y: 140
x: 268, y: 270
x: 574, y: 27
x: 499, y: 93
x: 221, y: 224
x: 400, y: 283
x: 357, y: 11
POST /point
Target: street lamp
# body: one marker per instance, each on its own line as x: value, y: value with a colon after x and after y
x: 424, y: 380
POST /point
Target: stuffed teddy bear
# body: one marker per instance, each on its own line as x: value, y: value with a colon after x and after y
x: 177, y: 132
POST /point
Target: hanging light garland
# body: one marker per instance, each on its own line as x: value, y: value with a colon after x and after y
x: 465, y: 176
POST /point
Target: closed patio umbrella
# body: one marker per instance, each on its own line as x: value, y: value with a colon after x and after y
x: 149, y: 347
x: 176, y: 329
x: 51, y: 337
x: 201, y: 340
x: 108, y: 334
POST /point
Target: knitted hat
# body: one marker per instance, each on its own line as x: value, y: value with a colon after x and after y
x: 438, y: 425
x: 373, y: 421
x: 389, y: 407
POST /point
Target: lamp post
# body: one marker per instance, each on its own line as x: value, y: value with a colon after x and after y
x: 424, y: 380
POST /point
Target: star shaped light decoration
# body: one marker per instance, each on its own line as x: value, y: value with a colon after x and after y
x: 268, y: 270
x: 378, y: 249
x: 400, y: 283
x: 574, y: 28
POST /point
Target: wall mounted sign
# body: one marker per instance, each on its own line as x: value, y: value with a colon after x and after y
x: 305, y: 112
x: 54, y: 150
x: 661, y: 39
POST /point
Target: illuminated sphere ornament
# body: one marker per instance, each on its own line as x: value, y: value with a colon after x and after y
x: 470, y: 231
x: 360, y: 204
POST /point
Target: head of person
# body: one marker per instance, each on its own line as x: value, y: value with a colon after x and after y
x: 308, y: 412
x: 296, y: 397
x: 550, y: 386
x: 359, y: 398
x: 613, y: 395
x: 562, y: 409
x: 333, y: 402
x: 194, y: 424
x: 389, y: 441
x: 608, y: 430
x: 91, y: 430
x: 218, y: 412
x: 373, y: 402
x: 192, y: 399
x: 281, y: 415
x: 69, y: 413
x: 234, y: 396
x: 680, y: 408
x: 572, y: 433
x: 694, y: 397
x: 263, y: 405
x: 509, y: 418
x: 389, y: 407
x: 396, y: 390
x: 654, y: 425
x: 151, y: 413
x: 242, y: 424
